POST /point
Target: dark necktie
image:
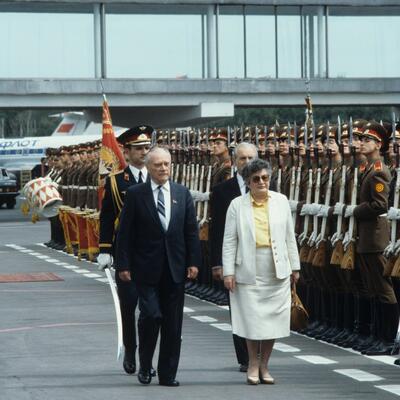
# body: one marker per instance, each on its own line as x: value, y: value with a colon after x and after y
x: 140, y: 177
x: 247, y: 189
x: 161, y: 208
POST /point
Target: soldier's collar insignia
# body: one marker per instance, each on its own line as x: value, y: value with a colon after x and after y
x: 126, y: 176
x: 378, y: 165
x: 379, y: 187
x: 142, y: 128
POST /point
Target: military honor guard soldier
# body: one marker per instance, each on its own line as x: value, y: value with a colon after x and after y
x: 136, y: 142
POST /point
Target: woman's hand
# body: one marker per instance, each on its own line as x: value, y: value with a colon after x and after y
x: 294, y: 277
x: 230, y: 282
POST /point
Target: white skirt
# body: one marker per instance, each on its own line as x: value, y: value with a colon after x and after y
x: 262, y: 311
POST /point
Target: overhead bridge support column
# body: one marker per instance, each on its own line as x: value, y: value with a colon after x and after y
x: 211, y: 43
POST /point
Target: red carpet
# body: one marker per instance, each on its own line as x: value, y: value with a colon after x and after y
x: 34, y: 277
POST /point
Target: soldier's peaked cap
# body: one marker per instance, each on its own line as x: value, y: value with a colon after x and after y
x: 137, y: 136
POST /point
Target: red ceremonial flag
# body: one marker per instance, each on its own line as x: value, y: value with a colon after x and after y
x: 111, y: 158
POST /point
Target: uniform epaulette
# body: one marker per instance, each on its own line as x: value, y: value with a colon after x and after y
x: 378, y: 165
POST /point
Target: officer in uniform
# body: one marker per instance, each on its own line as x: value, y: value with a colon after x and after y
x: 373, y: 231
x: 136, y: 142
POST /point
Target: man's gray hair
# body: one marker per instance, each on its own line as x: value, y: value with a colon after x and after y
x: 245, y: 145
x: 155, y: 149
x: 255, y: 166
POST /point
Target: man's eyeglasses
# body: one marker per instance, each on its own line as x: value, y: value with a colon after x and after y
x: 258, y: 179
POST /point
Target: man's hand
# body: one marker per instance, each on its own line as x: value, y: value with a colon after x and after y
x: 104, y: 260
x: 125, y: 276
x: 230, y: 282
x: 192, y: 272
x: 217, y: 273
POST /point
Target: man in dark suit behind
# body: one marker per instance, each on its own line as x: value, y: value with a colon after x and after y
x: 221, y: 198
x: 158, y: 247
x: 136, y: 142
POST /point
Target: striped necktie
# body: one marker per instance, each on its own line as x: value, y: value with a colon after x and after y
x: 161, y: 207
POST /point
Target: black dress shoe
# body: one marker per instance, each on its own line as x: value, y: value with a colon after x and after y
x: 153, y: 372
x: 169, y: 382
x: 397, y: 362
x: 129, y: 363
x: 243, y: 368
x: 144, y: 377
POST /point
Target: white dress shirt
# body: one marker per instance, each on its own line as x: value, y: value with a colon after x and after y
x: 135, y: 172
x: 242, y: 184
x: 167, y: 198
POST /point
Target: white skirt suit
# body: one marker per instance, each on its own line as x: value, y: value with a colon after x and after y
x: 260, y: 304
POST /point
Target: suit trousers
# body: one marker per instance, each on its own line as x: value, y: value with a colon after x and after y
x: 128, y: 299
x: 161, y: 311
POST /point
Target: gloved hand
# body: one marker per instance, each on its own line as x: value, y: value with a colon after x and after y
x: 323, y: 211
x: 393, y: 214
x: 312, y: 239
x: 305, y: 210
x: 199, y: 196
x: 301, y: 238
x: 104, y: 261
x: 389, y: 250
x: 335, y: 238
x: 349, y: 211
x: 396, y: 249
x: 338, y: 209
x: 293, y: 205
x: 314, y: 208
x: 346, y: 240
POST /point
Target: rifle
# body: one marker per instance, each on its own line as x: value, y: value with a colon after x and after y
x: 293, y: 165
x: 349, y: 240
x: 389, y: 252
x: 298, y: 173
x: 337, y: 237
x: 203, y: 224
x: 279, y: 179
x: 320, y: 254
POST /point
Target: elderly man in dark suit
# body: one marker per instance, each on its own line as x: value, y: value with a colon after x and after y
x: 221, y: 198
x: 158, y: 247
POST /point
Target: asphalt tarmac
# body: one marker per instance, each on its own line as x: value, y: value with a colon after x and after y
x: 58, y: 341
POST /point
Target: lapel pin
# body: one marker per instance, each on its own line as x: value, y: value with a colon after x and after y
x: 174, y: 201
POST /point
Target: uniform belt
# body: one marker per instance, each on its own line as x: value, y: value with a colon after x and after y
x: 83, y: 187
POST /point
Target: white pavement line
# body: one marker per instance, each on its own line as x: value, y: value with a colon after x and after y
x: 70, y: 266
x: 222, y: 326
x: 187, y: 309
x: 15, y: 246
x: 224, y: 307
x: 34, y: 253
x: 104, y: 280
x: 40, y: 244
x: 25, y: 251
x: 395, y: 389
x: 203, y: 318
x: 42, y: 257
x: 52, y: 260
x: 359, y: 375
x: 92, y: 275
x: 61, y: 264
x: 389, y: 360
x: 82, y: 271
x: 285, y: 348
x: 317, y: 359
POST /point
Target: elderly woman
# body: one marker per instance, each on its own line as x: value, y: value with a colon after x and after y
x: 260, y: 259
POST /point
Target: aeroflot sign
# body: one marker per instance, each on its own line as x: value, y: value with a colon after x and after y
x: 18, y: 143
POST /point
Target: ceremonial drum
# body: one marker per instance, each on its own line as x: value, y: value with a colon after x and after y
x: 43, y: 196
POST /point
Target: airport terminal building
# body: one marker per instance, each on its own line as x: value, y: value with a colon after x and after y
x: 196, y: 59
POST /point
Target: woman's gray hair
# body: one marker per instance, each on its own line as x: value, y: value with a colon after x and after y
x: 255, y: 166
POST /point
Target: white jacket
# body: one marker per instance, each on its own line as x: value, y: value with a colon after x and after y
x: 239, y: 248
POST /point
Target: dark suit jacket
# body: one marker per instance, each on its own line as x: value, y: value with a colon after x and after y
x: 111, y: 207
x: 142, y: 245
x: 221, y: 198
